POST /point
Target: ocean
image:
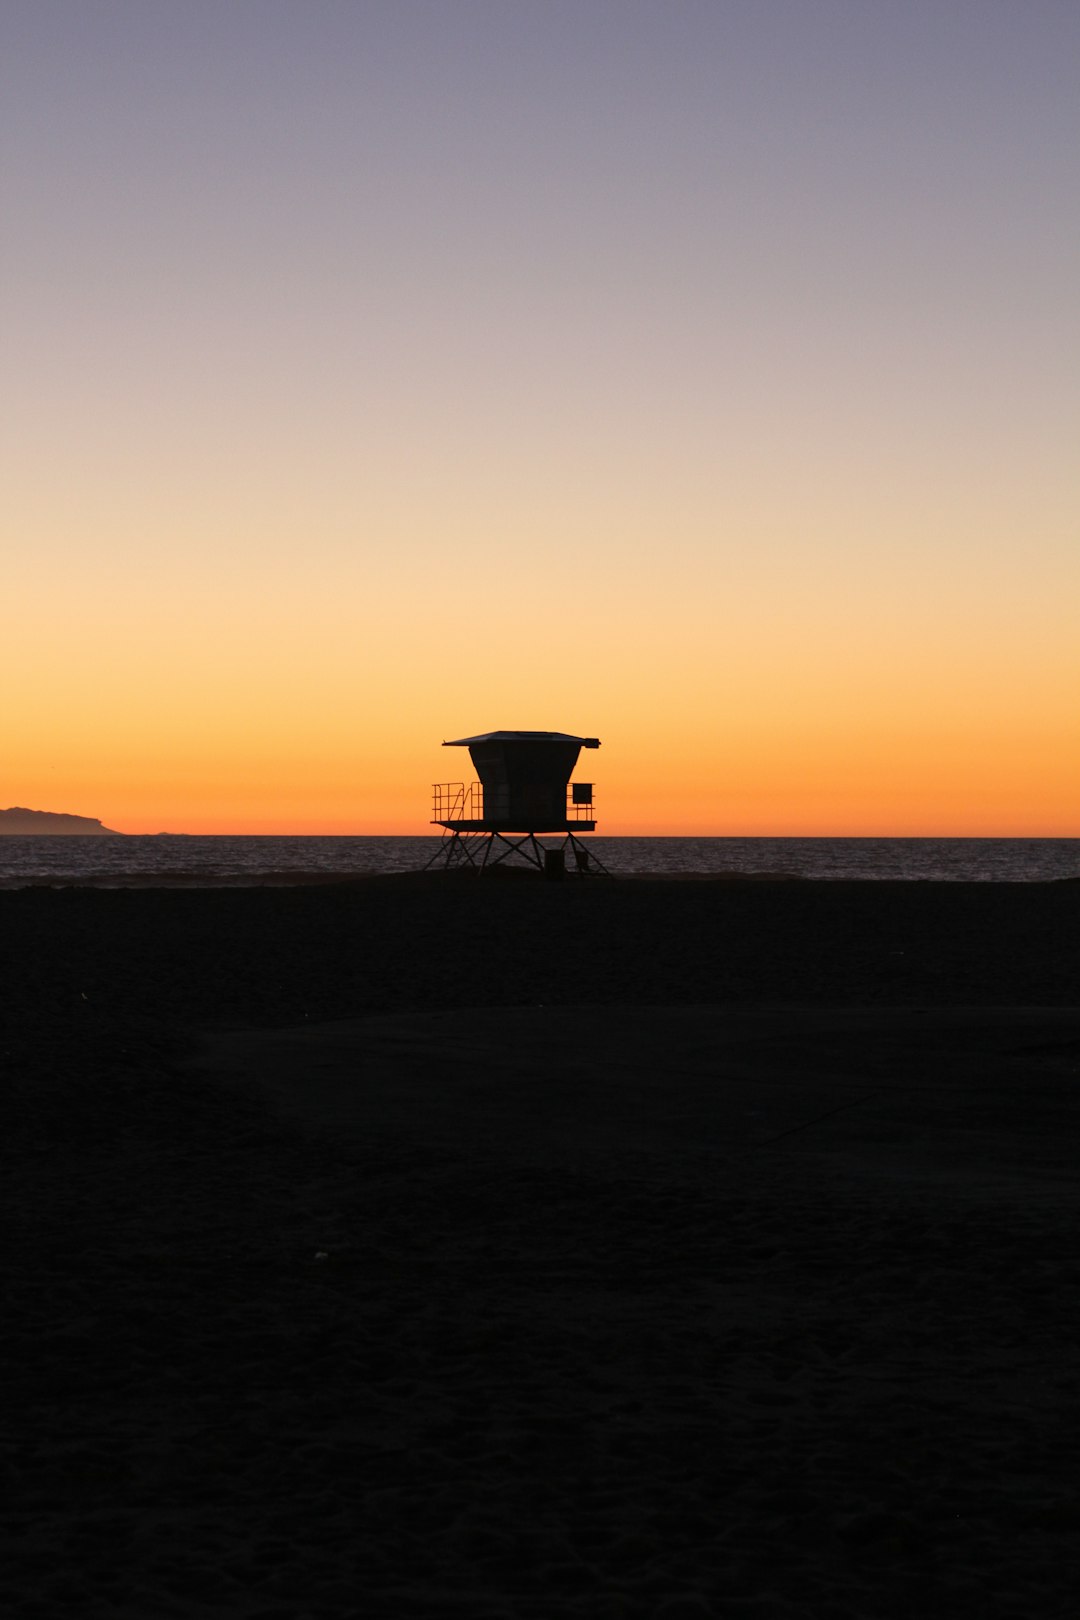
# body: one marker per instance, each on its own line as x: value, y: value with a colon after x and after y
x: 169, y: 860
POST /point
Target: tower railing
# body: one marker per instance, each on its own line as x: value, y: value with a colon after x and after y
x: 457, y: 801
x: 464, y: 801
x: 578, y: 810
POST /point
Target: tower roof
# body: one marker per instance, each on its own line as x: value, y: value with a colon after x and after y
x: 524, y: 736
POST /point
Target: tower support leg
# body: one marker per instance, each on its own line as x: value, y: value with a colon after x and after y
x: 484, y: 850
x: 586, y: 862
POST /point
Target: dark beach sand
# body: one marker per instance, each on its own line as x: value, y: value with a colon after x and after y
x: 417, y: 1248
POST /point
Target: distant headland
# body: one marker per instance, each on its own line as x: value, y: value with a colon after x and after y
x: 51, y: 823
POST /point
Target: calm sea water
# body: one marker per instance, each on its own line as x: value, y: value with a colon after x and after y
x: 169, y: 860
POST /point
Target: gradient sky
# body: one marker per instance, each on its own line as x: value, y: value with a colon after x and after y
x: 696, y: 374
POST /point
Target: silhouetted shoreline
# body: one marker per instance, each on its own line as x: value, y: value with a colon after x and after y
x: 18, y: 822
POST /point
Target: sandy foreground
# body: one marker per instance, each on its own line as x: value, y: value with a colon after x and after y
x: 348, y: 1274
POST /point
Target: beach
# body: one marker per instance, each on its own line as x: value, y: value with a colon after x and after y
x: 427, y: 1247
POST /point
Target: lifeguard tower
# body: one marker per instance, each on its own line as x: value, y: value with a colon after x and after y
x: 524, y: 790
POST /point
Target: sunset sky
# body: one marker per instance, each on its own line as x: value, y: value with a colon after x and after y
x: 701, y: 375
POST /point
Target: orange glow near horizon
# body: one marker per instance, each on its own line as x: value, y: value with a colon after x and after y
x: 732, y: 695
x: 762, y: 787
x: 798, y: 707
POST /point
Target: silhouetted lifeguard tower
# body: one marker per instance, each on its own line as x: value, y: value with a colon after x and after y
x: 524, y: 790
